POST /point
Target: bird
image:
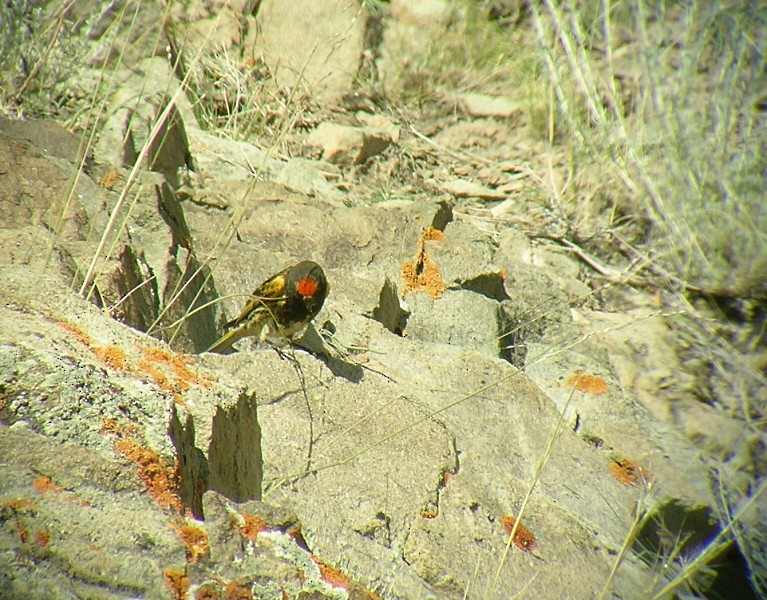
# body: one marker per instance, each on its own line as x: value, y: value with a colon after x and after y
x: 279, y: 307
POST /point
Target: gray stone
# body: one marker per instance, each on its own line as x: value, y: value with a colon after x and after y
x: 316, y: 46
x: 481, y: 105
x: 460, y: 188
x: 347, y: 145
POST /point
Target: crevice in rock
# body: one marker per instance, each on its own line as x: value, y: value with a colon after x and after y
x: 186, y: 290
x: 489, y: 285
x: 377, y: 529
x: 322, y: 345
x: 445, y: 476
x: 443, y: 216
x: 233, y: 467
x: 234, y: 453
x: 389, y: 312
x: 192, y: 465
x: 683, y: 531
x: 511, y: 344
x: 137, y: 302
x: 169, y: 149
x: 169, y: 208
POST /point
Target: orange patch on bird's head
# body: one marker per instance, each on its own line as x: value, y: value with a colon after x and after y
x: 307, y: 286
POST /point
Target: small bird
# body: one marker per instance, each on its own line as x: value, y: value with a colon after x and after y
x: 280, y: 306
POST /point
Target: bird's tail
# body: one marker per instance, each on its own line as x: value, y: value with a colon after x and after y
x: 224, y: 344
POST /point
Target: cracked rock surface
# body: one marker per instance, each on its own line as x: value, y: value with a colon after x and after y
x: 402, y: 451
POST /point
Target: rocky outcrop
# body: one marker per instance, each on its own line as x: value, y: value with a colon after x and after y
x: 428, y: 413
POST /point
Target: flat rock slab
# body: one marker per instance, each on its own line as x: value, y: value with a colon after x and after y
x: 326, y: 48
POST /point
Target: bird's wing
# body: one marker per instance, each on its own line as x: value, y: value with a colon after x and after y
x: 271, y: 290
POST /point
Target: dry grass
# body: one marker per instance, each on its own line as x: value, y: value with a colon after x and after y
x: 671, y: 98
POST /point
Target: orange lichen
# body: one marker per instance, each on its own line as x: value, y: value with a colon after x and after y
x: 432, y: 235
x: 145, y: 367
x: 332, y: 575
x: 159, y: 480
x: 110, y: 426
x: 154, y: 374
x: 43, y: 538
x: 183, y: 376
x: 421, y: 274
x: 108, y: 180
x: 19, y: 505
x: 180, y: 365
x: 177, y: 582
x: 523, y: 537
x: 429, y: 514
x: 79, y: 334
x: 446, y: 475
x: 251, y: 527
x: 22, y: 531
x: 588, y: 384
x: 155, y: 354
x: 112, y: 356
x: 629, y: 472
x: 45, y: 484
x: 235, y: 592
x: 12, y: 509
x: 195, y: 540
x: 206, y: 592
x: 178, y: 362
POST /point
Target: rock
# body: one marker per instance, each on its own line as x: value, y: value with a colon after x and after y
x: 346, y: 145
x: 314, y: 45
x: 459, y: 317
x: 422, y: 12
x: 221, y: 30
x: 306, y: 177
x: 37, y: 183
x: 460, y: 188
x: 714, y: 432
x: 380, y: 123
x: 480, y: 105
x: 389, y: 311
x: 143, y: 93
x: 609, y: 417
x: 111, y: 36
x: 641, y: 353
x: 400, y: 455
x: 408, y: 39
x: 539, y: 267
x: 49, y: 137
x: 65, y: 509
x: 142, y: 276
